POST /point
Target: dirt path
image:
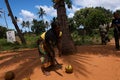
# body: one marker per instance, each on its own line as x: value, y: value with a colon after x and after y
x: 92, y: 62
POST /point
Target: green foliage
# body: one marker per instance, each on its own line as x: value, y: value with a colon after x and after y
x: 72, y: 25
x: 118, y: 11
x: 85, y: 39
x: 69, y: 3
x: 3, y: 31
x: 91, y: 18
x: 78, y: 38
x: 31, y: 43
x: 94, y: 19
x: 38, y: 27
x: 26, y: 24
x: 4, y: 45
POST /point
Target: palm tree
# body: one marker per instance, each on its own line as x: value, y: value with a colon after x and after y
x: 15, y: 23
x: 28, y: 25
x: 38, y: 27
x: 68, y: 44
x: 41, y: 13
x: 23, y: 24
x: 34, y: 25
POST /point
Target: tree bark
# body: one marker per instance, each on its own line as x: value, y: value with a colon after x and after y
x: 67, y: 42
x: 15, y: 23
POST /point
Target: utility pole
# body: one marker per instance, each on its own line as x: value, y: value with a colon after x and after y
x: 14, y: 22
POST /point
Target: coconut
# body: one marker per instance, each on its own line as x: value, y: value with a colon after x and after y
x: 69, y: 69
x: 9, y: 75
x: 26, y: 79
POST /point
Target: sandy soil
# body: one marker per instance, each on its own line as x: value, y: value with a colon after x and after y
x: 91, y: 62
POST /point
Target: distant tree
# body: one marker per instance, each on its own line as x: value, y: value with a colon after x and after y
x: 118, y: 11
x: 41, y: 13
x: 23, y: 24
x: 107, y: 13
x: 72, y: 25
x: 37, y: 27
x: 3, y: 31
x: 28, y: 25
x: 91, y: 18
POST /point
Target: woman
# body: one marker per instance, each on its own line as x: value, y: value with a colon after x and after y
x: 48, y: 40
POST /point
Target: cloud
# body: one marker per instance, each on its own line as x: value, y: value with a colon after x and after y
x: 108, y: 4
x: 72, y: 11
x: 70, y: 15
x: 78, y: 4
x: 117, y: 8
x: 50, y: 11
x: 19, y: 20
x: 27, y: 15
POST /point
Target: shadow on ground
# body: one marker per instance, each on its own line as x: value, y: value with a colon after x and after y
x: 30, y: 60
x: 82, y: 57
x: 79, y: 60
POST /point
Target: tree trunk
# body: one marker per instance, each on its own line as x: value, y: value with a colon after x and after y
x: 15, y: 23
x: 67, y: 42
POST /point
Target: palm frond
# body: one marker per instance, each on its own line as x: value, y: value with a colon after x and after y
x: 69, y: 3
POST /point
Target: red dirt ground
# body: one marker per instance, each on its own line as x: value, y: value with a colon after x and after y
x: 92, y: 62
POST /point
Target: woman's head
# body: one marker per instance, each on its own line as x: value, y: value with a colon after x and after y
x: 55, y: 26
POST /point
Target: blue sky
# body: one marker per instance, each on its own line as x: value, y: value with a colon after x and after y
x: 27, y: 9
x: 23, y: 9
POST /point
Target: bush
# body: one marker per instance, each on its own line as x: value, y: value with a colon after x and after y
x: 30, y: 39
x: 3, y: 31
x: 78, y: 39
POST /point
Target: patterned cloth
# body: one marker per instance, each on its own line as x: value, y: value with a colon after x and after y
x: 44, y: 57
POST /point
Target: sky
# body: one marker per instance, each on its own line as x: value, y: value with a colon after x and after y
x: 27, y: 9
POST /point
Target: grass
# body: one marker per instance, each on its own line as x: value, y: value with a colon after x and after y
x: 88, y: 40
x: 30, y: 39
